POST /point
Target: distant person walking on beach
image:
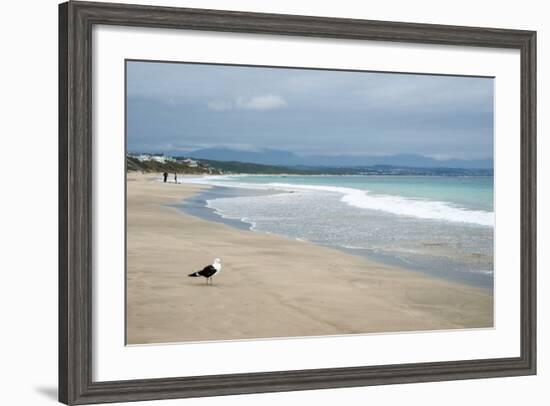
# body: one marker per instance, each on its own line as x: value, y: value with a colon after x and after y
x: 165, y: 174
x: 175, y: 177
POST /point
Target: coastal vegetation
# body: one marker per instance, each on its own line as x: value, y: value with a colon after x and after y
x: 207, y: 166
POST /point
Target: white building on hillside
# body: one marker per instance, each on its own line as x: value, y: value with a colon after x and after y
x: 142, y: 157
x: 159, y: 158
x: 191, y: 163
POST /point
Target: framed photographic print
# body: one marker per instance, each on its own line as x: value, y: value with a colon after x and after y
x: 258, y: 202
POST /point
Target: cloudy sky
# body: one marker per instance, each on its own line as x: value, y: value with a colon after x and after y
x: 177, y: 108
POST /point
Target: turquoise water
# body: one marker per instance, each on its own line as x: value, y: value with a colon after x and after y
x: 437, y: 224
x: 468, y: 192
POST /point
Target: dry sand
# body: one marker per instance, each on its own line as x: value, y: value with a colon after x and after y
x: 269, y: 286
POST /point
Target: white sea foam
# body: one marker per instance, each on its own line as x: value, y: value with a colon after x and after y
x: 424, y: 209
x: 363, y: 199
x: 246, y: 220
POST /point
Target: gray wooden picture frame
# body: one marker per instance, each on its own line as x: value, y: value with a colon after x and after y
x: 76, y: 20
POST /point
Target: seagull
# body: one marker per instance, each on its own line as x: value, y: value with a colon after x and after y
x: 209, y: 271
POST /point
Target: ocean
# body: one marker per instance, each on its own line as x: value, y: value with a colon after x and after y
x: 440, y: 225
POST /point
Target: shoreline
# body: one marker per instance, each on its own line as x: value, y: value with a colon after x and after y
x: 196, y: 206
x: 310, y: 290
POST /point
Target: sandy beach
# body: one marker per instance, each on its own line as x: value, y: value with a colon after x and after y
x: 270, y: 286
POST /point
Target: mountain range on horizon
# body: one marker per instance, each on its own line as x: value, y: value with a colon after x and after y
x: 288, y: 158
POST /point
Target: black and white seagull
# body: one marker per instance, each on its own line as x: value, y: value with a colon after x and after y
x: 209, y: 271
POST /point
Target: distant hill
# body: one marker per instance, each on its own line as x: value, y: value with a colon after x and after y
x: 289, y: 159
x: 259, y: 169
x: 252, y: 168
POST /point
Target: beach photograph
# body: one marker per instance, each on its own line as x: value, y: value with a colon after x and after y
x: 271, y: 202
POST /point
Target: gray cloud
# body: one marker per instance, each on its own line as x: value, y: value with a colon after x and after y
x: 181, y: 107
x: 260, y: 103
